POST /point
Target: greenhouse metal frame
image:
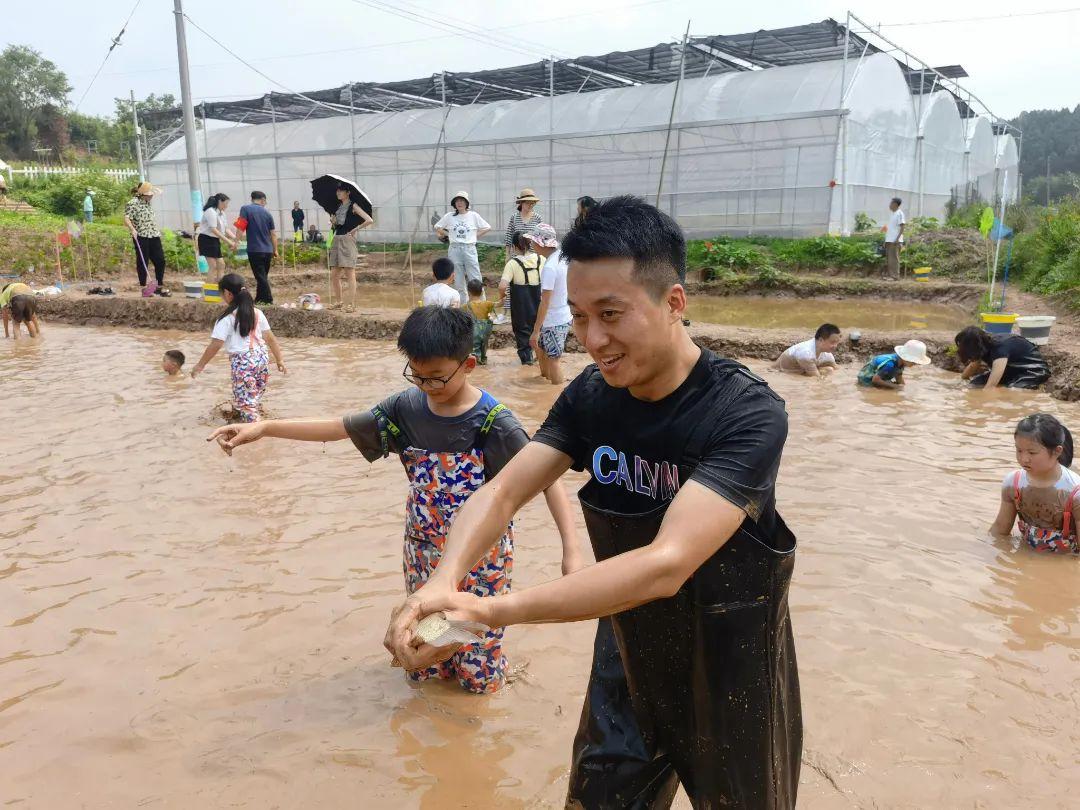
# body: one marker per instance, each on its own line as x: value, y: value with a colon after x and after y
x: 731, y: 135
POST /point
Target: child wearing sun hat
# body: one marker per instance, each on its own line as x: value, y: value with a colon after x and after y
x: 887, y: 370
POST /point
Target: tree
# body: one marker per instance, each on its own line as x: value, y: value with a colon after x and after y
x: 28, y: 83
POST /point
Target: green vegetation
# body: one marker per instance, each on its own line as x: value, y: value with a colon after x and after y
x: 63, y: 194
x: 1047, y: 255
x: 1053, y: 134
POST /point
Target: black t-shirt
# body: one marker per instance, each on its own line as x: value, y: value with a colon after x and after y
x: 640, y: 453
x: 297, y: 217
x: 1014, y: 348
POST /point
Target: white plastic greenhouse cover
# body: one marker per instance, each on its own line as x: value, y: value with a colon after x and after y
x: 751, y: 152
x: 940, y: 150
x: 981, y: 159
x: 1008, y: 168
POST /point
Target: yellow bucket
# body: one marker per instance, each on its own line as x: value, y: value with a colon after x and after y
x: 998, y: 323
x: 211, y: 293
x: 922, y: 273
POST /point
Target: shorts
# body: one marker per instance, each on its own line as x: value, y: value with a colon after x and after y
x: 23, y: 308
x: 553, y: 339
x: 209, y: 246
x: 343, y: 251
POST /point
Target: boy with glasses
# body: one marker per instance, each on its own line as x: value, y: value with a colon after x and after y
x: 451, y: 437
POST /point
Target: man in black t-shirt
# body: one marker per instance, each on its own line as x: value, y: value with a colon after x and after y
x: 694, y: 677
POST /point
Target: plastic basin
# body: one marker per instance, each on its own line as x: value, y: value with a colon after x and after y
x: 998, y: 323
x: 211, y: 293
x: 193, y: 289
x: 1036, y: 328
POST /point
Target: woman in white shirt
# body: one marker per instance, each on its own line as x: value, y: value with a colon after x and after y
x: 245, y: 333
x: 463, y: 227
x: 213, y: 230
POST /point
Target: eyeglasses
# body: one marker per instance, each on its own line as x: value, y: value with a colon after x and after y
x: 432, y: 383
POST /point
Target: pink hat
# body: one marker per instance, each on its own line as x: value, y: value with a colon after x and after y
x: 544, y: 235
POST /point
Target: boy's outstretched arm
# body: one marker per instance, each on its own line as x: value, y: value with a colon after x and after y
x: 230, y: 437
x: 558, y: 504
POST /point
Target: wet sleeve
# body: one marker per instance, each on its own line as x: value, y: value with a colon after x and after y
x: 364, y: 430
x: 742, y: 456
x: 507, y: 437
x: 222, y: 329
x: 561, y: 428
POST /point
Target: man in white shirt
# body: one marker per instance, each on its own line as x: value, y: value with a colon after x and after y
x: 813, y: 357
x: 894, y: 236
x: 553, y: 319
x: 462, y: 227
x: 442, y: 293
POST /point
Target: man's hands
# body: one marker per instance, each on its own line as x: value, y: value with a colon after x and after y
x: 230, y: 437
x: 408, y: 651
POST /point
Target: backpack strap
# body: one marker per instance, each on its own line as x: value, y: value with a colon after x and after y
x: 525, y: 270
x: 494, y: 409
x: 1067, y: 522
x: 387, y: 428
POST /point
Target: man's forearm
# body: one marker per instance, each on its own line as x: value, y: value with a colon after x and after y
x: 617, y: 584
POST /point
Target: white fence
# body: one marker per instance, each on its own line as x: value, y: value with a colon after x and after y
x: 34, y: 172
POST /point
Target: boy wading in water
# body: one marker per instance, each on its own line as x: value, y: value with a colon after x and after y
x: 451, y: 438
x: 694, y: 562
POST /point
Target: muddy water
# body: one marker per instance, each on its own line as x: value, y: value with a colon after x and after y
x: 181, y: 629
x: 765, y: 313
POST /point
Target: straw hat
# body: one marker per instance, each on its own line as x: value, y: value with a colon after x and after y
x: 145, y: 190
x: 914, y: 351
x: 544, y: 235
x: 464, y: 195
x: 527, y: 195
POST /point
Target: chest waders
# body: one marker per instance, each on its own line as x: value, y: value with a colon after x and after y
x: 710, y: 674
x: 524, y: 304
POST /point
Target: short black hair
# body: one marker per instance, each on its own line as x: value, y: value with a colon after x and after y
x: 826, y: 330
x: 431, y: 332
x: 475, y: 286
x: 176, y: 356
x: 519, y: 241
x: 442, y: 268
x: 897, y: 200
x: 257, y: 195
x: 629, y: 228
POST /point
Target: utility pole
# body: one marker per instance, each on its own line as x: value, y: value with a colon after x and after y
x: 138, y: 141
x: 189, y: 115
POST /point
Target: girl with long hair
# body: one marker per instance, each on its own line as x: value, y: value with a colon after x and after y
x: 245, y: 333
x: 213, y: 230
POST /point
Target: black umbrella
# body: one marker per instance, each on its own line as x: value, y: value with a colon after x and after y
x: 324, y: 192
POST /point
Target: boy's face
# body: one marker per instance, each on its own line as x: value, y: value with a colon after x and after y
x: 442, y: 378
x: 169, y: 366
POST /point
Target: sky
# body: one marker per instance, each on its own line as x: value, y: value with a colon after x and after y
x: 1016, y: 63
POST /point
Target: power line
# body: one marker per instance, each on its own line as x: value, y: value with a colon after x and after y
x: 981, y: 19
x: 476, y: 34
x: 112, y: 47
x: 394, y: 44
x: 245, y: 63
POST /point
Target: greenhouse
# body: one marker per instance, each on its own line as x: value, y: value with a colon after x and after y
x: 750, y: 144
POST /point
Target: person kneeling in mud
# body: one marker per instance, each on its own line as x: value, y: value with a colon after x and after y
x: 451, y: 438
x: 887, y: 370
x: 1043, y: 496
x: 813, y: 357
x: 19, y: 305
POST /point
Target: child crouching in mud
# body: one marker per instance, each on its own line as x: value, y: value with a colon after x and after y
x: 245, y: 333
x: 1043, y: 497
x: 452, y: 438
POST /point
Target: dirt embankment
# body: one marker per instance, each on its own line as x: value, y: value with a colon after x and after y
x: 732, y: 341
